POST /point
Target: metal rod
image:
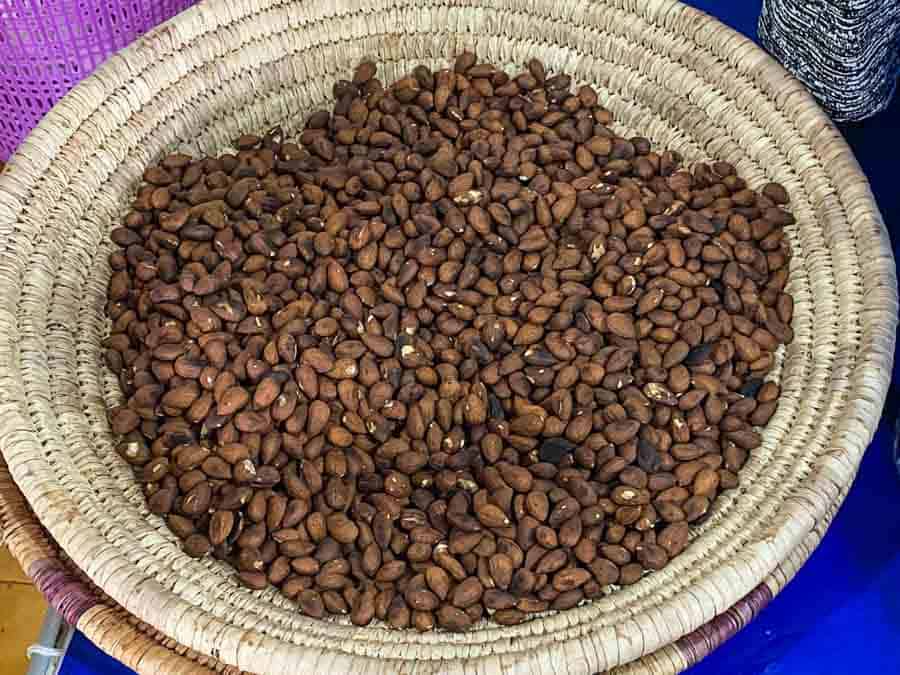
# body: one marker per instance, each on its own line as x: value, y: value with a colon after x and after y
x: 46, y: 654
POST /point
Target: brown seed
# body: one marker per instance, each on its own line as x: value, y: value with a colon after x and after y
x: 745, y: 438
x: 335, y: 602
x: 517, y: 477
x: 491, y: 516
x: 551, y: 562
x: 746, y: 348
x: 254, y: 580
x: 467, y: 593
x: 399, y: 615
x: 197, y: 500
x: 391, y: 571
x: 568, y: 599
x: 317, y: 417
x: 527, y: 425
x: 604, y: 571
x: 776, y: 193
x: 652, y: 556
x: 342, y: 528
x: 673, y: 538
x: 161, y: 502
x: 438, y: 581
x: 706, y: 482
x: 763, y: 413
x: 220, y: 525
x: 509, y: 617
x: 569, y: 579
x: 496, y: 599
x: 188, y: 457
x: 311, y: 604
x: 124, y: 420
x: 197, y: 546
x: 232, y: 400
x: 305, y: 566
x: 621, y: 432
x: 339, y: 436
x: 501, y: 568
x: 453, y: 619
x: 695, y: 508
x: 181, y: 526
x: 422, y: 600
x: 630, y: 574
x: 620, y: 325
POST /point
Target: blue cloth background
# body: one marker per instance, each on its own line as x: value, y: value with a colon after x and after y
x: 841, y: 614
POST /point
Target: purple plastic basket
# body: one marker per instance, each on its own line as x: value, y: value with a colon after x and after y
x: 47, y: 46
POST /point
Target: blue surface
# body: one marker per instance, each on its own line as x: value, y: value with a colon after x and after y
x: 83, y: 658
x: 842, y: 612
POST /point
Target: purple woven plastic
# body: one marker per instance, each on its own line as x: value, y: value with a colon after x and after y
x: 47, y: 46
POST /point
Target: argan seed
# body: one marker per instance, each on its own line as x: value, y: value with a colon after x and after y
x: 458, y: 352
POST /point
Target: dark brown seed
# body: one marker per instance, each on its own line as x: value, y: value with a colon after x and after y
x: 554, y: 449
x: 621, y: 432
x: 776, y: 193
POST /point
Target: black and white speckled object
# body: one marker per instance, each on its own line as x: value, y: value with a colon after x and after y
x: 846, y: 51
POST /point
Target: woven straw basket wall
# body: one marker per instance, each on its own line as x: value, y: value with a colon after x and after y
x: 227, y: 66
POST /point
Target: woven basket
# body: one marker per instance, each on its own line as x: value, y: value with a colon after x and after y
x: 678, y: 76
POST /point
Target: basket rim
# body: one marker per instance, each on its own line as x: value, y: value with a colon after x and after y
x: 798, y: 514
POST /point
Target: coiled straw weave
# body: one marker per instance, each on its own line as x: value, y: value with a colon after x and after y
x: 226, y: 66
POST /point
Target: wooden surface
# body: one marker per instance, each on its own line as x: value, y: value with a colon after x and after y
x: 22, y: 609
